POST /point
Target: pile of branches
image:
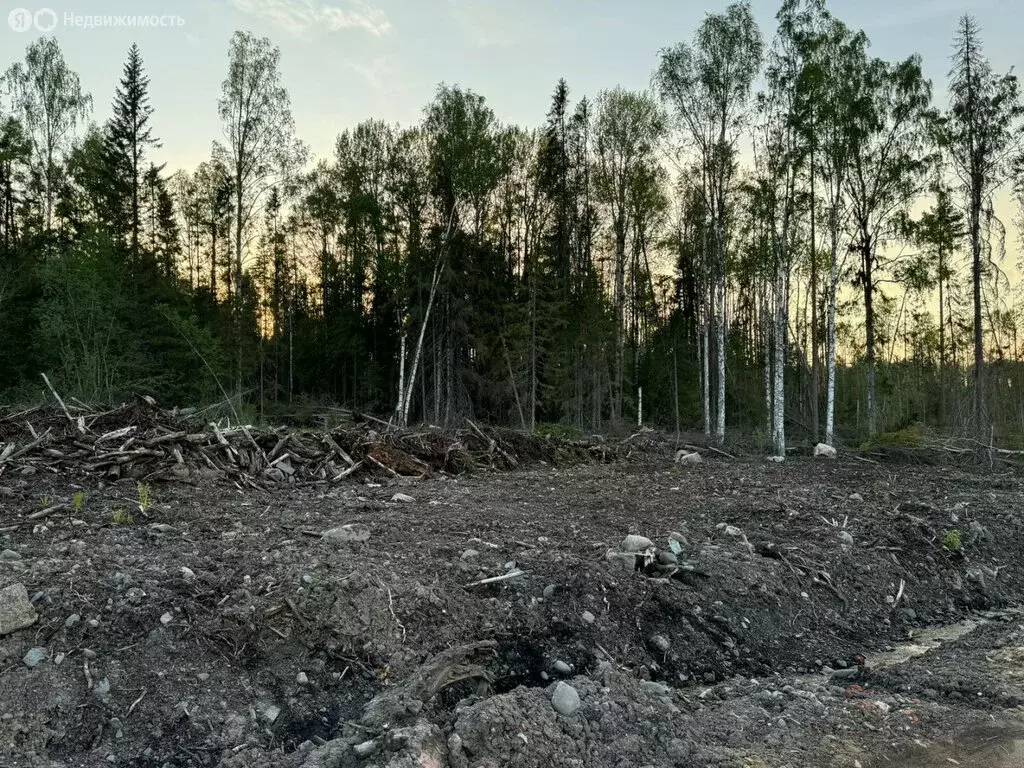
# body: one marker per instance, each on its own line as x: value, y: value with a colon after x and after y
x: 142, y: 441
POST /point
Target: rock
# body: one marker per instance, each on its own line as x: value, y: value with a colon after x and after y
x: 16, y: 611
x: 649, y: 686
x: 588, y: 617
x: 777, y: 459
x: 270, y: 712
x: 634, y: 543
x: 167, y: 618
x: 403, y: 498
x: 668, y: 558
x: 823, y: 451
x: 302, y: 678
x: 661, y: 643
x: 732, y: 530
x: 562, y: 668
x: 71, y: 620
x: 162, y: 528
x: 9, y: 555
x: 976, y: 532
x: 365, y: 749
x: 34, y: 657
x: 353, y: 533
x: 565, y: 700
x: 59, y: 659
x: 469, y: 554
x: 856, y: 497
x: 188, y: 573
x: 549, y: 590
x: 846, y: 538
x: 688, y: 457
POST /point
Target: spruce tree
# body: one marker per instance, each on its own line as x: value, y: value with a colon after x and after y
x: 129, y: 134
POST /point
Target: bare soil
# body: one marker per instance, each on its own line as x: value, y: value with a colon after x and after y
x: 217, y: 628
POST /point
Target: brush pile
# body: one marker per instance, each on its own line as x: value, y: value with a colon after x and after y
x: 142, y: 441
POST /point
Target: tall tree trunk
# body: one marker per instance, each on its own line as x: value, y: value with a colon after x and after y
x: 815, y: 351
x: 720, y: 333
x: 830, y: 337
x: 779, y: 364
x: 979, y: 339
x: 867, y: 274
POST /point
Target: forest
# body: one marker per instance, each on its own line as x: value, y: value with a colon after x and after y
x: 783, y: 238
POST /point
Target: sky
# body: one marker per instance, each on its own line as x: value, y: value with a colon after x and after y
x: 344, y: 61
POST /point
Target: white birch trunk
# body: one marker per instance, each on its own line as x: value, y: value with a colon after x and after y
x: 830, y: 344
x: 779, y: 373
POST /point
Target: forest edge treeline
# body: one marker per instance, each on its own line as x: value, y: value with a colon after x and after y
x: 721, y: 248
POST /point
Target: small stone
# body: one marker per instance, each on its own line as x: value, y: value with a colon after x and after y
x: 565, y: 700
x: 403, y: 498
x: 549, y: 590
x: 634, y: 543
x: 847, y: 538
x: 34, y: 657
x: 562, y: 668
x: 302, y: 678
x: 167, y: 618
x: 856, y: 497
x: 162, y: 528
x: 270, y: 712
x: 777, y: 459
x: 353, y: 533
x: 823, y: 451
x: 59, y: 659
x: 649, y: 686
x: 16, y: 610
x: 188, y: 573
x: 9, y: 555
x: 661, y: 643
x: 203, y: 677
x: 94, y: 623
x: 668, y: 558
x: 89, y: 653
x: 732, y: 530
x: 469, y: 554
x: 365, y: 749
x: 71, y: 620
x: 588, y: 617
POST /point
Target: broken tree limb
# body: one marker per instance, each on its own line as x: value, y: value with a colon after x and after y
x: 496, y: 579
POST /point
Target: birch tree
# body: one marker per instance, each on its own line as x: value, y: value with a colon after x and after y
x: 782, y: 152
x: 838, y: 55
x: 49, y: 99
x: 888, y: 165
x: 261, y: 150
x: 708, y: 84
x: 627, y: 128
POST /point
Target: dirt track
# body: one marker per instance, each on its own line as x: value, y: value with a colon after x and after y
x: 219, y: 631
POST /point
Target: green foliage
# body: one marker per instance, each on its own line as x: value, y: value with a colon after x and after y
x: 952, y: 542
x: 559, y: 431
x: 121, y: 517
x: 78, y: 501
x: 143, y: 491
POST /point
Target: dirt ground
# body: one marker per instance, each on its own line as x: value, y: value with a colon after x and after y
x: 219, y: 628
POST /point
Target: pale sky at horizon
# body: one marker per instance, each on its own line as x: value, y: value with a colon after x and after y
x: 344, y: 61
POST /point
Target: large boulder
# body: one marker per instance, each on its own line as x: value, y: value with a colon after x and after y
x: 16, y: 610
x: 823, y: 451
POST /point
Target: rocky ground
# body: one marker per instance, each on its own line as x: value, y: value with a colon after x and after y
x: 642, y: 613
